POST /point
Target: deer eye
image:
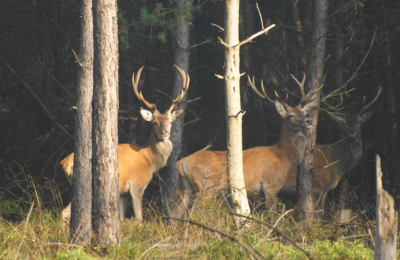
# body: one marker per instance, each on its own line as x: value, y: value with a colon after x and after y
x: 290, y: 115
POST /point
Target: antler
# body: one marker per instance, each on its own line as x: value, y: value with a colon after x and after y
x: 370, y: 103
x: 252, y: 84
x: 185, y: 87
x: 305, y: 98
x: 135, y: 83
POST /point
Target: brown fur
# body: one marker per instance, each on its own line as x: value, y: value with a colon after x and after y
x: 332, y: 162
x: 264, y: 168
x: 136, y: 164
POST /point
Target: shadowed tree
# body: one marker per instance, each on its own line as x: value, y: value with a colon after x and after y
x: 305, y: 180
x: 81, y: 206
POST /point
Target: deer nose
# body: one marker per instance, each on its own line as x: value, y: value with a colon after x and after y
x: 165, y: 134
x: 308, y: 123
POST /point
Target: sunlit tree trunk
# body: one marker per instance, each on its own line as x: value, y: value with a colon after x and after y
x: 81, y: 207
x: 305, y: 177
x: 237, y: 191
x: 106, y: 224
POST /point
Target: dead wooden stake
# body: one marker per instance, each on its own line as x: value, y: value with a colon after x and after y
x: 386, y: 220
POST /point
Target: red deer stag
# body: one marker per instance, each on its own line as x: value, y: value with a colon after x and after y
x: 264, y: 168
x: 136, y: 164
x: 331, y: 162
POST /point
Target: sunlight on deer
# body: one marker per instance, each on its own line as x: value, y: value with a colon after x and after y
x: 264, y: 168
x: 137, y: 164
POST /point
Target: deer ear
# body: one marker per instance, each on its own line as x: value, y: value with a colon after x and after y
x: 281, y: 109
x: 177, y: 113
x: 310, y: 105
x: 146, y: 114
x: 364, y: 117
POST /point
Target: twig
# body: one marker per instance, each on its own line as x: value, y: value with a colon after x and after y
x: 251, y: 251
x: 264, y: 31
x: 42, y: 105
x: 206, y: 220
x: 355, y: 73
x: 24, y: 234
x: 219, y: 27
x: 196, y: 45
x: 277, y: 231
x: 270, y: 231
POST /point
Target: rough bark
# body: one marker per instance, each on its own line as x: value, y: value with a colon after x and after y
x: 343, y: 187
x: 237, y: 191
x: 171, y: 178
x: 81, y: 208
x: 106, y: 224
x: 386, y: 220
x: 305, y: 178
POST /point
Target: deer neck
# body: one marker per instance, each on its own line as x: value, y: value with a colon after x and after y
x: 348, y: 152
x: 292, y: 146
x: 158, y: 150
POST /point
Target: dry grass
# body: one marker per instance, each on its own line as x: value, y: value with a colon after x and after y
x: 41, y: 236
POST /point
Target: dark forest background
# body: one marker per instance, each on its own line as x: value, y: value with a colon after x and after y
x: 38, y: 71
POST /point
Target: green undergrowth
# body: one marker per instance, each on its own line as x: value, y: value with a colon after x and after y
x: 29, y: 231
x: 40, y: 235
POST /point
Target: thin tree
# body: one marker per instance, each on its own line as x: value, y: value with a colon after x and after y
x: 81, y: 206
x: 106, y: 224
x: 233, y: 111
x: 305, y: 180
x: 181, y: 57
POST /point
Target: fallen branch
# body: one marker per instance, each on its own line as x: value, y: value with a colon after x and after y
x: 277, y: 231
x: 251, y: 251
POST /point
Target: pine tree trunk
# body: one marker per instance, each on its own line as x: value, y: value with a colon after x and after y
x: 106, y: 224
x: 81, y: 206
x: 171, y: 178
x: 305, y: 178
x: 237, y: 191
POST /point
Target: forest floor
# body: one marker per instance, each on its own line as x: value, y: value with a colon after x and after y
x: 41, y: 235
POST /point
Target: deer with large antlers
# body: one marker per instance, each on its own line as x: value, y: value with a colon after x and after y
x: 331, y: 162
x: 264, y: 168
x: 136, y: 164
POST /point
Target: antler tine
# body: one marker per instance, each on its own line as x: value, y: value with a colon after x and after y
x: 370, y: 103
x: 252, y: 84
x: 301, y: 85
x: 185, y: 87
x: 135, y: 83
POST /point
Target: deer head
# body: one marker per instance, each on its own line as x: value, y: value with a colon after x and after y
x: 349, y: 123
x: 162, y: 121
x: 295, y: 119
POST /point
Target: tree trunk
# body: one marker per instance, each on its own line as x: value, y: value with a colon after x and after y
x: 386, y: 220
x: 81, y: 208
x: 237, y: 191
x: 171, y: 178
x: 106, y: 224
x: 343, y: 187
x: 305, y: 178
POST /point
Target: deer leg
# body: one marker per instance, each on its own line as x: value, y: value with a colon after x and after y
x: 320, y: 198
x: 184, y: 200
x: 123, y: 201
x: 270, y: 198
x: 137, y: 197
x: 66, y: 215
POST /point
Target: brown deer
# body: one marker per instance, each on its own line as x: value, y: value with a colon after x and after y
x: 264, y: 168
x: 136, y: 164
x: 331, y: 162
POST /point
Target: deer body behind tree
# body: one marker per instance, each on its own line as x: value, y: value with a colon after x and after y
x: 331, y: 162
x: 137, y: 164
x: 264, y: 168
